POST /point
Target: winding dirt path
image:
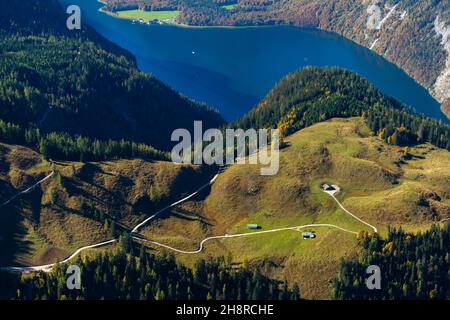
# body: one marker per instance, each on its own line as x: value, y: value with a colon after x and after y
x: 331, y: 194
x: 228, y: 236
x: 27, y: 189
x: 48, y: 267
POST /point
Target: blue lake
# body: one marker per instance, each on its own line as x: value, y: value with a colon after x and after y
x: 231, y: 69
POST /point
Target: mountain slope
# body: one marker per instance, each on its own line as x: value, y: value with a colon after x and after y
x: 311, y: 95
x: 77, y: 206
x: 378, y: 184
x: 79, y: 83
x: 377, y: 154
x: 381, y: 183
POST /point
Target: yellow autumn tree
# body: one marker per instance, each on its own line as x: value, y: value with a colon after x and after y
x: 406, y: 150
x: 282, y: 128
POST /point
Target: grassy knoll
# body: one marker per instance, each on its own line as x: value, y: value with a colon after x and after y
x: 378, y: 184
x: 163, y: 16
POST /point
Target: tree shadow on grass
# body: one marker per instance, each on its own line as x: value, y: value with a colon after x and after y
x: 12, y: 230
x: 183, y: 214
x: 12, y: 234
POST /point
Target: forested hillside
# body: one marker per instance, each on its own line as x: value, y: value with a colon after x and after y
x: 312, y: 95
x: 123, y: 275
x: 413, y: 266
x: 63, y: 146
x: 76, y: 82
x: 413, y: 34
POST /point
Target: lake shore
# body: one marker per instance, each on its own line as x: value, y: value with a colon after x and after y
x: 351, y: 64
x: 183, y: 25
x: 443, y: 106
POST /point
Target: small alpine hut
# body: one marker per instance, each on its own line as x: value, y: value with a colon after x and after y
x: 253, y: 226
x: 328, y: 187
x: 308, y: 235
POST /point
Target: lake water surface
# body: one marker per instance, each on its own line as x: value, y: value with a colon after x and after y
x: 231, y: 69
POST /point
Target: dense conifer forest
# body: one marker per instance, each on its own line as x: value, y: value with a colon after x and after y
x: 79, y: 83
x: 312, y: 94
x: 122, y: 275
x: 413, y: 266
x: 62, y: 146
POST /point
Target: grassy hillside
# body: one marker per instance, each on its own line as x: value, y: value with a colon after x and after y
x: 379, y: 184
x: 70, y: 209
